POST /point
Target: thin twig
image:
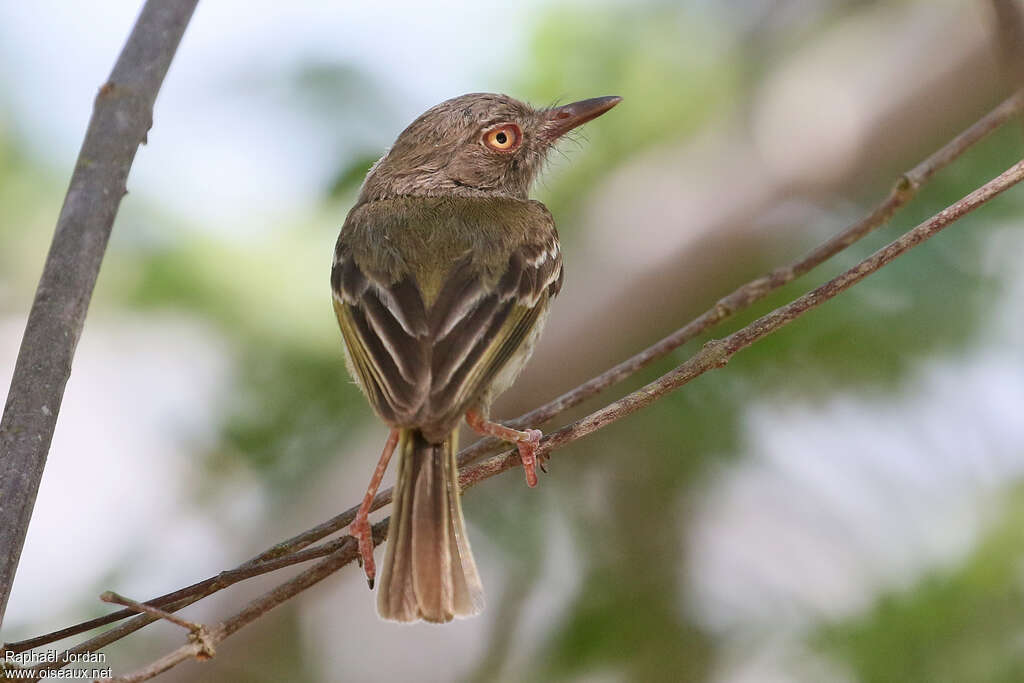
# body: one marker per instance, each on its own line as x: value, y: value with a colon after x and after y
x: 904, y: 190
x: 255, y: 609
x: 178, y: 599
x: 141, y: 608
x: 194, y: 593
x: 714, y: 354
x: 285, y: 553
x: 122, y: 115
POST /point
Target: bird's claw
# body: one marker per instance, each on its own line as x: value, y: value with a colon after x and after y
x: 363, y: 533
x: 528, y: 454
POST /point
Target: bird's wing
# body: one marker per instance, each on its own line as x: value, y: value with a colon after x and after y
x: 424, y: 359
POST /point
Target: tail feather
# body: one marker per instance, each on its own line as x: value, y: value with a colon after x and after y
x: 428, y: 571
x: 395, y: 597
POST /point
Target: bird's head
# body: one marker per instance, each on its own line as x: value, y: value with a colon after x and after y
x: 479, y: 144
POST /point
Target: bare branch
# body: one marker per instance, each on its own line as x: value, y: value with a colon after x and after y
x: 290, y: 551
x: 255, y: 609
x: 111, y: 596
x: 178, y: 599
x: 905, y: 189
x: 122, y: 115
x: 716, y: 353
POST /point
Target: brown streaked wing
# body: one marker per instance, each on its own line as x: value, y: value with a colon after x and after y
x: 476, y: 347
x: 474, y: 377
x: 385, y: 330
x: 426, y: 367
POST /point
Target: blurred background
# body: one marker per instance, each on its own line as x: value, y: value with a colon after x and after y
x: 844, y: 502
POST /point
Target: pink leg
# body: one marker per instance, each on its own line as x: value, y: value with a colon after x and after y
x: 526, y: 441
x: 360, y: 527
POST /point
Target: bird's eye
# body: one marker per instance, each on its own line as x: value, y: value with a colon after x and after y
x: 504, y: 138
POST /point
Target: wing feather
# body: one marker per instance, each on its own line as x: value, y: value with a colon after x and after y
x: 424, y: 362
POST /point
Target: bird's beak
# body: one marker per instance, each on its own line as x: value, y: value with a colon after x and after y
x: 560, y: 120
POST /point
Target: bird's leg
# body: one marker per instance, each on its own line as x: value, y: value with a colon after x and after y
x: 360, y: 527
x: 526, y: 441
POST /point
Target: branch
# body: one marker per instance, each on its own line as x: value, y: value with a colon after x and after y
x: 122, y: 115
x: 717, y: 352
x: 288, y: 552
x: 905, y: 189
x: 253, y: 610
x: 714, y: 354
x: 197, y: 629
x: 179, y: 599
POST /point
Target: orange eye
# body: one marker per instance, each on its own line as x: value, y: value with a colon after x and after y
x: 503, y: 138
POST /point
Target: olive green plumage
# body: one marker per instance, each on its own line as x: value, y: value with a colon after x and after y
x: 424, y: 236
x: 442, y: 278
x: 452, y: 287
x: 440, y: 301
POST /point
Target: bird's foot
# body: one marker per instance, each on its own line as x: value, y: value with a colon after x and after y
x: 528, y: 454
x: 527, y: 442
x: 363, y: 533
x: 360, y: 527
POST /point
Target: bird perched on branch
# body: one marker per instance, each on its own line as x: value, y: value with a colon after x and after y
x: 442, y: 278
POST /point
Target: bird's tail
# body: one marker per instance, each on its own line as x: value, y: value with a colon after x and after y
x: 428, y: 570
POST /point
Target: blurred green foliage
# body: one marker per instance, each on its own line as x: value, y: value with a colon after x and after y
x: 664, y: 61
x: 25, y: 189
x: 928, y: 303
x: 667, y: 63
x: 293, y: 405
x: 962, y: 624
x: 291, y: 409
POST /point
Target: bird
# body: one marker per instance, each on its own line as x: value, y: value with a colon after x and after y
x: 442, y: 277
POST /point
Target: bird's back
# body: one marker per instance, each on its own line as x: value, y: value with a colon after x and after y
x: 425, y: 286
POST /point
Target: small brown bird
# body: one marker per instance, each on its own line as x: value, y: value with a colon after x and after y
x: 442, y: 278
